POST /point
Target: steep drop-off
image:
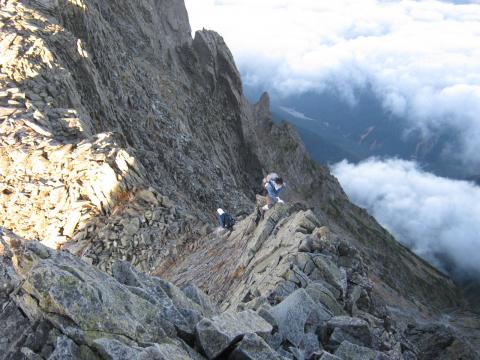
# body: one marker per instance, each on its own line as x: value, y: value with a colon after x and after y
x: 120, y: 136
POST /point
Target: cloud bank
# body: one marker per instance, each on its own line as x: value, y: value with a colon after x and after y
x: 437, y: 218
x: 420, y: 58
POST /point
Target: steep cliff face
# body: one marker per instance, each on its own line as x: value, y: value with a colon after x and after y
x: 120, y: 136
x: 132, y: 68
x: 103, y: 100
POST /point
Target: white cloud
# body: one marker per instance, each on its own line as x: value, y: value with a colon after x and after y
x: 437, y: 218
x: 419, y: 57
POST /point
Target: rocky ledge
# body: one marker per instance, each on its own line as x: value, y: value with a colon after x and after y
x: 295, y: 291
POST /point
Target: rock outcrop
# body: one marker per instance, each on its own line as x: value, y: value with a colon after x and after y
x: 70, y: 309
x: 280, y: 302
x: 120, y: 135
x: 315, y: 298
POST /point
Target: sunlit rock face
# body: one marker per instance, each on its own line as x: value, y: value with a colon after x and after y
x: 120, y: 136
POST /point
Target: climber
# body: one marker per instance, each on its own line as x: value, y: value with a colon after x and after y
x: 274, y: 185
x: 226, y: 220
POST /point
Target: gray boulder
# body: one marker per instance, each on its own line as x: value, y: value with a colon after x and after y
x: 285, y: 354
x: 327, y: 270
x: 274, y: 340
x: 323, y: 269
x: 310, y: 344
x: 66, y: 349
x: 199, y: 297
x: 167, y: 351
x: 264, y: 312
x: 320, y: 294
x: 217, y: 335
x: 349, y: 351
x: 14, y: 325
x: 354, y: 330
x: 253, y: 347
x: 291, y: 315
x: 306, y: 245
x: 328, y: 356
x: 175, y: 309
x: 298, y: 354
x: 69, y: 288
x: 111, y: 349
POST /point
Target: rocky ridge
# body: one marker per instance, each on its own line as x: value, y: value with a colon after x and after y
x: 292, y: 268
x: 120, y: 134
x: 295, y: 290
x: 65, y: 172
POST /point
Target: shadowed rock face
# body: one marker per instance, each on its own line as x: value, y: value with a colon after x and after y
x: 120, y: 135
x: 104, y: 101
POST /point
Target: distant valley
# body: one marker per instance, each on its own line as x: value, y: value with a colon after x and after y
x: 333, y: 130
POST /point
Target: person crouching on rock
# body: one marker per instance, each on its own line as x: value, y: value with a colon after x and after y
x: 274, y: 186
x: 225, y: 219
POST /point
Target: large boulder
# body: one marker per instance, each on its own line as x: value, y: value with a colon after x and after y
x: 93, y: 310
x: 222, y: 332
x: 291, y: 315
x: 354, y: 330
x: 253, y: 347
x: 349, y: 351
x: 320, y: 294
x: 174, y: 307
x: 66, y: 287
x: 327, y: 270
x: 209, y: 309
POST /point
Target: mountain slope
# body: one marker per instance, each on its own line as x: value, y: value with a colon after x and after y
x: 121, y: 134
x: 303, y: 290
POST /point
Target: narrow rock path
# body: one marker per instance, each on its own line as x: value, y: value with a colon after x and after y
x: 213, y: 262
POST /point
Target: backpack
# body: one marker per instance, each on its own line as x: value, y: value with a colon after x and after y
x: 270, y: 177
x: 229, y: 221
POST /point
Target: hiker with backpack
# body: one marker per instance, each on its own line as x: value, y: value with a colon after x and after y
x: 226, y: 220
x: 273, y: 185
x: 274, y: 188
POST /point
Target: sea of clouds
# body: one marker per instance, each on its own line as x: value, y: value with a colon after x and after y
x: 437, y: 218
x: 421, y: 60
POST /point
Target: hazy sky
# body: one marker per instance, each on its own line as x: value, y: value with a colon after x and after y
x: 421, y: 58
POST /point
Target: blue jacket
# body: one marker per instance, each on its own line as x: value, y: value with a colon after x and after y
x: 226, y: 220
x: 221, y: 219
x: 272, y: 192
